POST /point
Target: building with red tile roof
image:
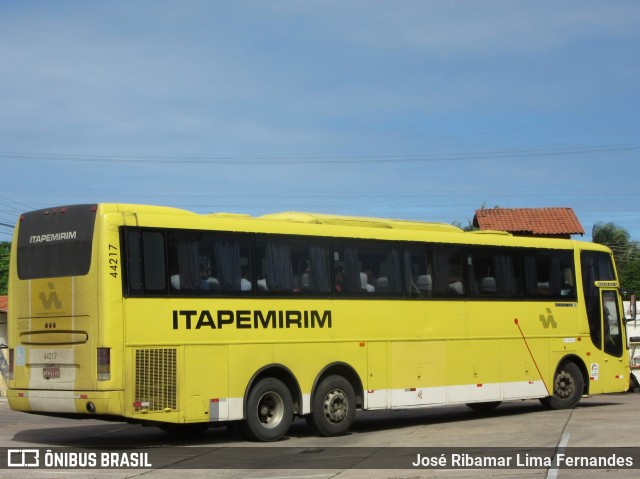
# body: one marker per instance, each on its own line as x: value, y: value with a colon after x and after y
x: 4, y: 303
x: 547, y: 222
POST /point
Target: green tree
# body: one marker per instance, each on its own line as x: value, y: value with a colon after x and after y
x: 610, y: 234
x: 630, y: 279
x: 5, y: 250
x: 625, y: 252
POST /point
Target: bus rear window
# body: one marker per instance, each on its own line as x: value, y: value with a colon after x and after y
x: 56, y: 242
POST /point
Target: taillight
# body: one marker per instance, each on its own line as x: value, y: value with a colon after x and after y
x: 11, y: 363
x: 104, y: 364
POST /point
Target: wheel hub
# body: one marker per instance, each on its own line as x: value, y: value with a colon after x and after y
x: 565, y: 385
x: 336, y: 406
x: 270, y: 410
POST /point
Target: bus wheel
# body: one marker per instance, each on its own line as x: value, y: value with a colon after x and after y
x: 334, y: 407
x: 269, y: 411
x: 483, y: 406
x: 568, y: 386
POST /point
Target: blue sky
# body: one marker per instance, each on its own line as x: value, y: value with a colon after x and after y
x: 410, y: 109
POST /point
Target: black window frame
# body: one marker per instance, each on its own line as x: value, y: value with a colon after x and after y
x: 363, y: 278
x: 454, y: 260
x: 292, y: 284
x: 494, y: 273
x: 216, y: 284
x: 128, y: 269
x: 560, y: 287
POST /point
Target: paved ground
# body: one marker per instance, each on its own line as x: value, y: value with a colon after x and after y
x: 378, y: 439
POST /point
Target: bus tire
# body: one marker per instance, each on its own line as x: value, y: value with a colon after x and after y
x: 334, y: 407
x: 269, y: 411
x: 568, y: 386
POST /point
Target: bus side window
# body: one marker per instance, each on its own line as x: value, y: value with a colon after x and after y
x: 417, y: 278
x: 346, y: 269
x: 446, y: 267
x: 273, y: 255
x: 229, y: 256
x: 185, y: 262
x: 134, y: 262
x: 155, y: 275
x: 550, y: 274
x: 310, y: 262
x: 146, y: 262
x: 612, y: 329
x: 494, y: 272
x: 367, y: 267
x: 292, y: 266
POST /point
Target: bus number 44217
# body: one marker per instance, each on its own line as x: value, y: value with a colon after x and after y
x: 113, y: 260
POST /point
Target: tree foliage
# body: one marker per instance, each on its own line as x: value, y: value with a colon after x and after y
x: 610, y: 234
x: 625, y: 252
x: 5, y: 249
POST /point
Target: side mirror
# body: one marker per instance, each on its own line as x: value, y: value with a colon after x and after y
x: 633, y: 307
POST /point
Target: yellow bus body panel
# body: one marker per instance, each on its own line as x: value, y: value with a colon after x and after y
x: 404, y: 353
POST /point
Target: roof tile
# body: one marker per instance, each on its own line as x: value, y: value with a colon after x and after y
x: 535, y: 221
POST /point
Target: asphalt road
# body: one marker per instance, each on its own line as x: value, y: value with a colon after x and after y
x: 380, y: 445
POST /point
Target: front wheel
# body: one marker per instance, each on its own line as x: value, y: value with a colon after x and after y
x: 334, y: 407
x: 568, y: 386
x: 269, y: 411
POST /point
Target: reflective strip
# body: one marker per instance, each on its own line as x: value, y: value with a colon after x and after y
x: 435, y: 396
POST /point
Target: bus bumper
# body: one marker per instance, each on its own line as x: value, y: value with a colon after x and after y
x: 92, y: 403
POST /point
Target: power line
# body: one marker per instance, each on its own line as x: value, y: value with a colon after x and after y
x: 293, y: 160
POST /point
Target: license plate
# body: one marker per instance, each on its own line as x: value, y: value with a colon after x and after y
x: 51, y: 373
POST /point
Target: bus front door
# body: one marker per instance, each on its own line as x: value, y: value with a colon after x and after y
x: 612, y: 371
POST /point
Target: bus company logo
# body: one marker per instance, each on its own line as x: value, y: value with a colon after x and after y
x: 251, y: 319
x: 548, y: 320
x: 23, y: 458
x: 51, y: 237
x: 50, y: 299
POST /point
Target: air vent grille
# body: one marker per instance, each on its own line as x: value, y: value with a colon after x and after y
x: 156, y: 379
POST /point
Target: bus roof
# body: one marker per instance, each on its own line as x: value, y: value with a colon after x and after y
x: 326, y: 219
x: 292, y: 217
x: 382, y: 226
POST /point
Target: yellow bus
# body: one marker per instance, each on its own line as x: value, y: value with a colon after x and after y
x: 162, y: 316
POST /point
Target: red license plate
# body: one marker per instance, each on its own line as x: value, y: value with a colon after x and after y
x: 51, y: 373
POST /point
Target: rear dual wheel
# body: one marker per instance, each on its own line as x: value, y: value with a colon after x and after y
x: 269, y: 410
x: 334, y: 407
